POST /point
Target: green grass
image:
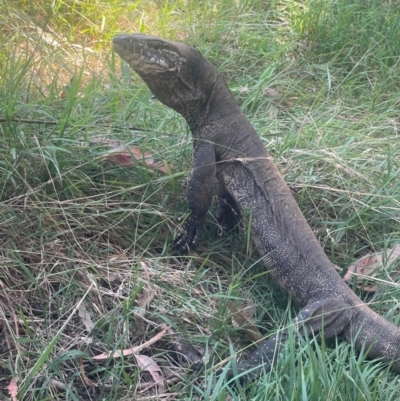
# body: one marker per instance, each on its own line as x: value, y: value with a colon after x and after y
x: 80, y: 234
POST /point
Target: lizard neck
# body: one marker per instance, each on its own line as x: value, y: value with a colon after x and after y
x: 217, y: 106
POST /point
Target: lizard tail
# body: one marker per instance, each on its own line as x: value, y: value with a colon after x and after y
x: 379, y: 338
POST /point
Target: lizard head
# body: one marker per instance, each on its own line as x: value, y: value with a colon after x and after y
x: 173, y: 71
x: 150, y: 55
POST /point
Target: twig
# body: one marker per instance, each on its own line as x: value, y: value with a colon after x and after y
x: 49, y: 122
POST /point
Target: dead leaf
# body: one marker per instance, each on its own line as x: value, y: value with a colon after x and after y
x: 13, y: 389
x: 277, y: 97
x: 60, y: 386
x: 124, y: 155
x: 146, y: 363
x: 130, y: 351
x: 145, y: 297
x: 242, y: 316
x: 87, y: 381
x: 85, y: 317
x: 143, y: 301
x: 270, y: 92
x: 370, y: 265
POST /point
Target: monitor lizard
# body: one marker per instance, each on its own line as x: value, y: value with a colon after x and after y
x: 226, y: 146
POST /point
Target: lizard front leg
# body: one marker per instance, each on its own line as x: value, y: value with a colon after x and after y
x: 199, y: 197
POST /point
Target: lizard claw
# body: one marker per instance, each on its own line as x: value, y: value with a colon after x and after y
x: 189, y: 237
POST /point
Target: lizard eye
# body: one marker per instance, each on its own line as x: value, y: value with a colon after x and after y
x: 156, y: 46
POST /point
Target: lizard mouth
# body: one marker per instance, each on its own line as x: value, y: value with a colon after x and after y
x: 147, y: 54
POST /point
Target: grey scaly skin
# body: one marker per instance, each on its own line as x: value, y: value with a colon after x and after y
x: 227, y: 147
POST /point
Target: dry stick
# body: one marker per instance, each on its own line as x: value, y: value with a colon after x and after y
x: 48, y: 122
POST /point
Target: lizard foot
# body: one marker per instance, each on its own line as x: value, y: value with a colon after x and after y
x: 189, y: 237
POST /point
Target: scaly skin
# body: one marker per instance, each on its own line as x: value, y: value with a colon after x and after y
x: 227, y: 147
